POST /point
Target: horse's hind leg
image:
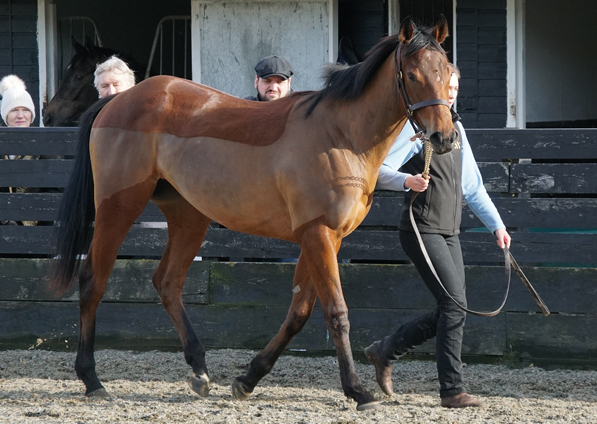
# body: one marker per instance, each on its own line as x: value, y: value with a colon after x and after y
x: 186, y: 230
x: 114, y: 218
x: 299, y: 312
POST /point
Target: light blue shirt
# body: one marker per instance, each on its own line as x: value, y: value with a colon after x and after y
x: 473, y: 190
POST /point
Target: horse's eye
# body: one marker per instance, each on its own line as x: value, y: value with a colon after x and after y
x: 411, y: 77
x: 79, y: 77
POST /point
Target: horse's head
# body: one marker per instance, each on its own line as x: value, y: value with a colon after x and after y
x: 425, y: 76
x: 76, y: 91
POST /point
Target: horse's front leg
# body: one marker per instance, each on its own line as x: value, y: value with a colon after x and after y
x: 299, y: 312
x: 320, y: 246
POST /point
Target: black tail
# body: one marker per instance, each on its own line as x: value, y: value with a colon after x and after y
x: 74, y: 226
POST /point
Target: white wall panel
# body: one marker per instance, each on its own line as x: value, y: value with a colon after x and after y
x: 234, y: 35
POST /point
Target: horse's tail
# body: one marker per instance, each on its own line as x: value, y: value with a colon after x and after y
x: 74, y: 227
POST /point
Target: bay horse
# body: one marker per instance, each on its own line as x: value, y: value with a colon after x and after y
x: 76, y: 92
x: 301, y: 169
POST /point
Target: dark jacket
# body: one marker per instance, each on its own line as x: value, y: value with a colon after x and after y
x: 438, y: 209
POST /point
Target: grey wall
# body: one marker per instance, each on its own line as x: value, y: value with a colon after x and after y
x: 235, y: 35
x: 561, y: 60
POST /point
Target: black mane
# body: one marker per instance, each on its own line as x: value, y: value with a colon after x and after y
x: 344, y: 82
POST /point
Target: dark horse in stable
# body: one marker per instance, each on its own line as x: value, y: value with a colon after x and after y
x: 300, y: 169
x: 77, y: 92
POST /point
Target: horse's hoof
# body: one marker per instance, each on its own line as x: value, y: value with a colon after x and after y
x: 199, y: 384
x: 240, y: 391
x: 369, y: 406
x: 99, y: 394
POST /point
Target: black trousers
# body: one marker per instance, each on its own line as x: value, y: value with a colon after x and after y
x: 446, y: 323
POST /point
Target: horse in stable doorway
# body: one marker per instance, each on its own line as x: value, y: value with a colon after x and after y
x: 76, y: 92
x: 301, y: 169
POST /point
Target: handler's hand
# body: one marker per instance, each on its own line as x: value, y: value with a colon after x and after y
x: 503, y: 238
x: 416, y: 183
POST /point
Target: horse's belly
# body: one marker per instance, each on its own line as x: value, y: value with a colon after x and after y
x: 229, y: 182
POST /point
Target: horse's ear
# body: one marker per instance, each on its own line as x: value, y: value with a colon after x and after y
x: 88, y: 43
x: 407, y: 30
x: 441, y: 30
x: 79, y: 48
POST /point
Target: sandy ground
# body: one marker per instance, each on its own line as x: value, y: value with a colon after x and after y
x: 41, y: 387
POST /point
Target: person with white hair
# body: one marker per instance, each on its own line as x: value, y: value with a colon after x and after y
x: 17, y: 105
x: 113, y: 76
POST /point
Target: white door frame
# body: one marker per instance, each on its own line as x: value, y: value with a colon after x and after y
x: 47, y: 54
x: 333, y: 30
x: 393, y: 16
x: 515, y: 40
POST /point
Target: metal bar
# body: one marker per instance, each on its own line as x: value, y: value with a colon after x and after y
x: 173, y: 46
x: 159, y: 35
x: 161, y: 48
x: 185, y: 48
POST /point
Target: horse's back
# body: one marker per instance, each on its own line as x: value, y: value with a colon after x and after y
x: 185, y: 109
x: 151, y: 105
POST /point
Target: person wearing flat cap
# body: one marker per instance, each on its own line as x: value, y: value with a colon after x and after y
x: 17, y: 106
x: 272, y: 78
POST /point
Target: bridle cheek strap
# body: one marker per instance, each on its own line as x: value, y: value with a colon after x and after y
x: 404, y: 96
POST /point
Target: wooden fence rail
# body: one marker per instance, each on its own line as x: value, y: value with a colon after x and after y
x: 542, y: 182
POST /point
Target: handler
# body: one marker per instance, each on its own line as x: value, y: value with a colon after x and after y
x: 438, y: 211
x: 273, y: 75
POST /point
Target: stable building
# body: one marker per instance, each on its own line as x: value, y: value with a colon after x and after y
x: 524, y: 63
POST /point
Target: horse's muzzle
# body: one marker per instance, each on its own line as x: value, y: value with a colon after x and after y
x: 443, y: 143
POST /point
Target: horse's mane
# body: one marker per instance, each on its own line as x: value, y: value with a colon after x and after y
x: 344, y: 82
x: 100, y: 54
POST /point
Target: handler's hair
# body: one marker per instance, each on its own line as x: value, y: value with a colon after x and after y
x: 455, y: 70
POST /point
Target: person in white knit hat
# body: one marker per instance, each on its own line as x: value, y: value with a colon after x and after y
x: 17, y: 111
x: 17, y: 106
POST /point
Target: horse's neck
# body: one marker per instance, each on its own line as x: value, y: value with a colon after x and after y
x: 375, y: 119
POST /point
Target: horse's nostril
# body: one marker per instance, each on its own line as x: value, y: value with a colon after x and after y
x: 442, y: 144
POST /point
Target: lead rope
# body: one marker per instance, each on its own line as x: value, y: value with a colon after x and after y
x: 508, y: 258
x: 428, y: 153
x: 425, y: 174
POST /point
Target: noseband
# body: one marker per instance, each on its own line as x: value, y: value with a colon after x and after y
x: 403, y: 95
